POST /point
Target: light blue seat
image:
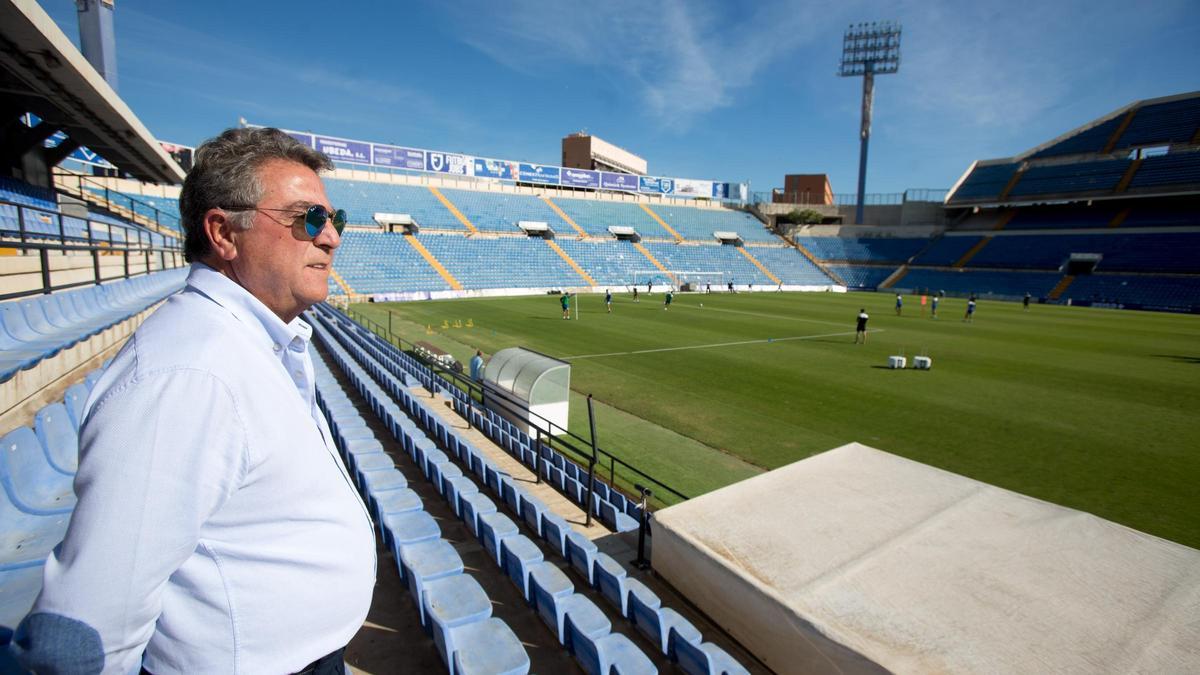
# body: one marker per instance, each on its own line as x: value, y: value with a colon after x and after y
x: 451, y: 603
x: 512, y: 494
x: 375, y: 461
x: 518, y: 554
x: 433, y: 458
x: 610, y: 580
x: 58, y: 437
x: 583, y: 624
x: 421, y: 447
x: 457, y: 487
x: 548, y: 587
x: 376, y: 483
x: 581, y: 552
x: 18, y: 589
x: 532, y: 509
x: 26, y: 539
x: 425, y: 562
x: 443, y: 473
x: 614, y: 519
x: 74, y: 399
x: 494, y: 528
x: 412, y: 527
x: 705, y: 658
x: 489, y: 647
x: 554, y: 532
x: 393, y: 503
x: 473, y: 506
x: 657, y: 622
x: 32, y: 485
x: 612, y: 653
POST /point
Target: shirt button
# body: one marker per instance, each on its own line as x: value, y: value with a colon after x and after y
x: 299, y: 373
x: 277, y: 347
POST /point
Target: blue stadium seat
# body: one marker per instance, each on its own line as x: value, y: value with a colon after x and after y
x: 58, y: 438
x: 489, y: 647
x: 451, y: 603
x: 610, y: 580
x: 426, y: 562
x: 518, y: 555
x: 549, y: 587
x: 494, y: 528
x: 32, y: 485
x: 474, y: 506
x: 704, y: 658
x: 581, y: 554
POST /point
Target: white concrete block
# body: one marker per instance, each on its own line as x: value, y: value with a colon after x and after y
x: 922, y: 362
x: 897, y: 362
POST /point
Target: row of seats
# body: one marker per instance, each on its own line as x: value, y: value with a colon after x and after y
x: 39, y: 327
x: 612, y: 507
x: 578, y: 624
x: 454, y: 609
x: 37, y: 470
x: 863, y: 249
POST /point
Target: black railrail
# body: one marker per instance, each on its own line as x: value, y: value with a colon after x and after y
x: 575, y: 445
x: 114, y: 199
x: 135, y: 241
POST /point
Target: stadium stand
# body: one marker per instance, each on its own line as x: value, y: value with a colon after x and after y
x: 708, y: 258
x: 1100, y: 176
x: 863, y: 277
x: 1160, y: 123
x: 363, y: 199
x: 699, y: 223
x: 377, y: 262
x: 596, y: 216
x: 790, y: 265
x: 864, y: 249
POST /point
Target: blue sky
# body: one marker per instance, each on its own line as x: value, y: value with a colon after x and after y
x: 700, y: 88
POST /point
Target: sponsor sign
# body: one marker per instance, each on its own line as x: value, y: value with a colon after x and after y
x: 656, y: 185
x: 448, y: 162
x: 720, y: 190
x: 687, y: 187
x: 398, y: 158
x: 618, y: 181
x: 580, y: 178
x: 306, y: 139
x: 538, y: 173
x: 495, y: 168
x: 354, y: 152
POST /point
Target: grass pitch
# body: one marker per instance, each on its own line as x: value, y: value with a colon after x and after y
x: 1091, y: 409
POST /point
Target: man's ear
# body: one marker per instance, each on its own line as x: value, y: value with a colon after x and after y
x: 220, y: 232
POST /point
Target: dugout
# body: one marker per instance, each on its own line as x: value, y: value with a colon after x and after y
x: 529, y: 389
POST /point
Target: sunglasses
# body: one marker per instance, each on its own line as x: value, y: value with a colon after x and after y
x: 314, y: 217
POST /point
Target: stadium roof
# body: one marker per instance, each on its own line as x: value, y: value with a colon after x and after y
x: 42, y: 72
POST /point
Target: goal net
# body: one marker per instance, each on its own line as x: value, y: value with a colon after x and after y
x: 680, y: 280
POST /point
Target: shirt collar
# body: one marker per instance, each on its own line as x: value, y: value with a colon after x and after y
x: 248, y: 309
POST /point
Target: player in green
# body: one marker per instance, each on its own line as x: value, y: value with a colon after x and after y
x: 667, y: 299
x: 566, y: 304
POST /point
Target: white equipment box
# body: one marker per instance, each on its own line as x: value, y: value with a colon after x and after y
x: 897, y: 362
x: 922, y: 362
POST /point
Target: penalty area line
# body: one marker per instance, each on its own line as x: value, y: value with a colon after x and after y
x: 718, y: 344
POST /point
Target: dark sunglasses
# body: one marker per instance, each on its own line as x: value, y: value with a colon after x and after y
x: 314, y: 216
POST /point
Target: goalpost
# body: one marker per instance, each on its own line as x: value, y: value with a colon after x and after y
x: 680, y: 280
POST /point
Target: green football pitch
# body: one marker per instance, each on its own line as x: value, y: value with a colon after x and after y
x: 1092, y: 409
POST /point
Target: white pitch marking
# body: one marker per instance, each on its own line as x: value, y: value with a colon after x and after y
x: 719, y: 344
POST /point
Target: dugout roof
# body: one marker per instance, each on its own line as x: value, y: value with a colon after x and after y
x: 42, y: 72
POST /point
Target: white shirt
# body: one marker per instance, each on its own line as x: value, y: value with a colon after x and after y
x: 217, y: 530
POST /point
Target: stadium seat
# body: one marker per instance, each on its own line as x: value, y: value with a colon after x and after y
x: 425, y: 562
x: 411, y: 527
x: 518, y: 554
x: 705, y: 658
x: 31, y: 484
x: 612, y: 653
x: 581, y: 554
x: 473, y: 507
x: 489, y: 647
x: 610, y: 580
x: 549, y: 587
x: 58, y: 437
x: 583, y: 624
x: 494, y: 528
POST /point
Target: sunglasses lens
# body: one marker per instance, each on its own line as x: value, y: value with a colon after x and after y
x: 315, y: 217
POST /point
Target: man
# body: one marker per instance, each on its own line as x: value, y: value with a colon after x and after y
x: 477, y: 366
x: 667, y: 299
x: 970, y: 315
x: 708, y: 288
x: 635, y: 297
x: 899, y: 304
x: 217, y: 529
x: 1025, y: 302
x: 731, y: 286
x: 565, y: 301
x: 608, y: 299
x: 933, y: 305
x: 860, y: 333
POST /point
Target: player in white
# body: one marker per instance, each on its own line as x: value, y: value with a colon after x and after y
x: 860, y: 333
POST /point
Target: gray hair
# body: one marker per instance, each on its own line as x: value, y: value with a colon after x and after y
x: 225, y: 173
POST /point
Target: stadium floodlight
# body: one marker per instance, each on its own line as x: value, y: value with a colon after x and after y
x: 868, y: 49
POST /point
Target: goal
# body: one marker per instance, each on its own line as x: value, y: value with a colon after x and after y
x: 681, y: 280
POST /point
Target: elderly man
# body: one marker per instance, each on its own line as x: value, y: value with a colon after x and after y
x: 217, y: 530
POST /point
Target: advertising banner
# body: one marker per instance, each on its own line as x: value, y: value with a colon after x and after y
x: 618, y: 181
x: 495, y: 168
x: 354, y: 152
x: 720, y: 190
x: 580, y: 178
x: 687, y: 187
x: 655, y: 185
x: 398, y: 158
x: 448, y: 162
x: 306, y: 139
x: 538, y: 173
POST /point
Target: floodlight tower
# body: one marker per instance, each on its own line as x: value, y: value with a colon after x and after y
x: 868, y: 49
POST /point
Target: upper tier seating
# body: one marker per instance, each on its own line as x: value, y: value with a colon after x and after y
x: 873, y: 249
x: 1152, y: 291
x: 1086, y: 141
x: 1181, y: 168
x: 39, y: 327
x: 946, y: 250
x: 1173, y: 252
x: 499, y: 212
x: 985, y: 182
x: 596, y: 216
x: 1101, y: 175
x: 699, y: 224
x: 609, y: 263
x: 1162, y: 123
x: 980, y: 282
x: 363, y: 199
x: 863, y: 276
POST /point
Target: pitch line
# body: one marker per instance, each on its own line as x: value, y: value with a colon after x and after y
x: 718, y: 344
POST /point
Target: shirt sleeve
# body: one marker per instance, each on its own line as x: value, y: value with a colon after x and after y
x: 158, y: 456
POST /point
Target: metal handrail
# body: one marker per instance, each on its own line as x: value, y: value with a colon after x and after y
x: 109, y: 203
x: 471, y: 388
